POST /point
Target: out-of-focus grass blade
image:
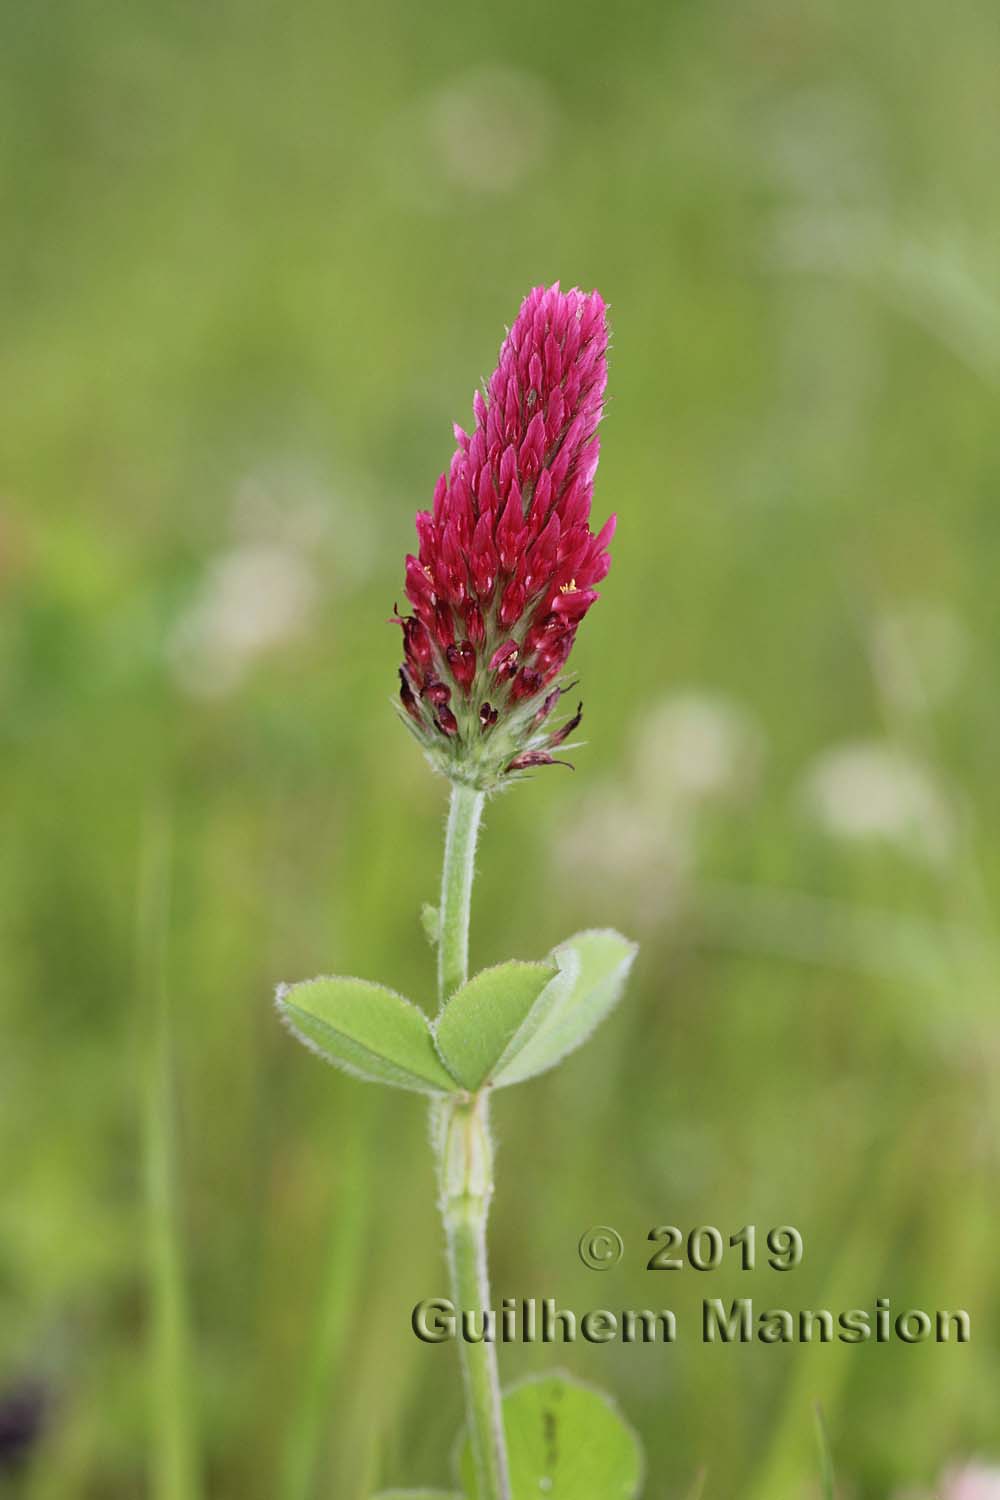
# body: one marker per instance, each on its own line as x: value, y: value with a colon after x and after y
x: 310, y: 1423
x: 174, y: 1459
x: 837, y: 934
x: 821, y: 1372
x: 698, y: 1488
x: 825, y: 1458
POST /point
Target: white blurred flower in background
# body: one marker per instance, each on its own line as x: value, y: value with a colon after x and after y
x: 262, y: 591
x: 482, y: 133
x: 691, y: 751
x: 825, y: 146
x: 874, y: 791
x: 971, y: 1481
x: 292, y: 508
x: 695, y: 746
x: 490, y: 127
x: 250, y: 599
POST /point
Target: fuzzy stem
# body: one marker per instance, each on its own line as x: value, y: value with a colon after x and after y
x: 461, y: 1133
x: 465, y: 1160
x: 456, y: 889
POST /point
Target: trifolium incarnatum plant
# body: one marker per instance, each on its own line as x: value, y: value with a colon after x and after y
x: 505, y: 571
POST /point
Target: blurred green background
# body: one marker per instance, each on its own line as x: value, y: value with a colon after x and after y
x: 255, y: 258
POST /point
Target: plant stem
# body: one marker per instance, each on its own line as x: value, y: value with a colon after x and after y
x: 464, y: 815
x: 465, y: 1162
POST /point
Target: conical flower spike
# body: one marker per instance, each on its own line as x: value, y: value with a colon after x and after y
x: 506, y: 561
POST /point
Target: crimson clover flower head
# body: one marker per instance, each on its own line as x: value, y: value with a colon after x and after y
x: 507, y: 563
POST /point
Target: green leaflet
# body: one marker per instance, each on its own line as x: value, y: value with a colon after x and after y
x: 367, y: 1030
x: 418, y: 1495
x: 479, y: 1023
x: 564, y: 1441
x: 593, y: 968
